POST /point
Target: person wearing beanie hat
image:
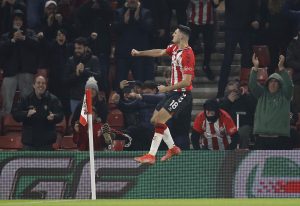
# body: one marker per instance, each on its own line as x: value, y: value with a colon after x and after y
x: 99, y: 104
x: 92, y: 84
x: 52, y: 21
x: 48, y: 3
x: 216, y: 128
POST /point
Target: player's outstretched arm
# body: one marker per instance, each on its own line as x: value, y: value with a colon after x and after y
x: 149, y: 53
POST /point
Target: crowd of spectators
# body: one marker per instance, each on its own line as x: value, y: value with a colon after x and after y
x: 63, y: 43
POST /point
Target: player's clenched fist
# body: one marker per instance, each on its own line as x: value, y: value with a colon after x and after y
x: 135, y: 52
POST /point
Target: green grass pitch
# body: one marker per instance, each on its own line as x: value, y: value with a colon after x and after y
x: 156, y: 202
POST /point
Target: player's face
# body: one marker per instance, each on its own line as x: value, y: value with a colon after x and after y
x: 176, y: 36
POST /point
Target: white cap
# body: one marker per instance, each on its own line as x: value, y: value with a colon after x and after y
x: 48, y: 3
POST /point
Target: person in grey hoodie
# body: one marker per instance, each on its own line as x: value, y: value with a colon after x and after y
x: 271, y: 120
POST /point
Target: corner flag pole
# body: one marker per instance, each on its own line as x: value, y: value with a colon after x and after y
x: 91, y: 143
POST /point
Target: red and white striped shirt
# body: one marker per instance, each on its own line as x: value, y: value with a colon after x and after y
x: 183, y: 62
x: 201, y: 12
x: 217, y: 136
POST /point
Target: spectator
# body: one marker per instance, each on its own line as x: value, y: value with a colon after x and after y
x: 57, y: 54
x: 160, y: 14
x: 293, y: 61
x: 130, y: 115
x: 237, y: 101
x: 292, y: 9
x: 144, y: 104
x: 180, y: 7
x: 80, y: 67
x: 52, y: 21
x: 81, y: 139
x: 7, y: 9
x: 240, y: 17
x: 19, y: 61
x: 35, y: 13
x: 39, y: 112
x: 271, y: 120
x: 216, y: 127
x: 279, y: 30
x: 133, y: 25
x: 93, y: 21
x: 201, y: 17
x: 99, y: 104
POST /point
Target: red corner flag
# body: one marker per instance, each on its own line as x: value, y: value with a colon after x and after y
x: 86, y: 107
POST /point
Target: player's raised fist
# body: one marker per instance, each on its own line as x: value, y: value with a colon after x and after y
x: 134, y: 52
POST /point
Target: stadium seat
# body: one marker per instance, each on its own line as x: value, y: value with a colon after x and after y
x: 244, y: 76
x: 115, y: 119
x: 262, y: 75
x: 11, y: 142
x: 61, y: 127
x: 111, y: 104
x: 263, y: 54
x: 67, y: 143
x: 10, y: 125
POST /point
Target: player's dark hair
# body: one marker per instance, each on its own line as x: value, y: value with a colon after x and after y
x: 184, y: 29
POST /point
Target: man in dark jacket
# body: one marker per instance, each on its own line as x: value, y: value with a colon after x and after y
x: 80, y: 67
x: 144, y: 104
x: 19, y: 60
x: 39, y: 112
x: 133, y: 24
x: 7, y: 9
x: 236, y: 102
x: 93, y: 21
x: 57, y: 55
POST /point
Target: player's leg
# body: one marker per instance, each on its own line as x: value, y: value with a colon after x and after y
x: 159, y: 119
x: 175, y: 106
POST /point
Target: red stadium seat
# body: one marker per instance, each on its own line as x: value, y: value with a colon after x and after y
x: 244, y: 76
x: 11, y: 142
x: 263, y: 55
x: 67, y: 143
x: 115, y: 119
x: 262, y: 75
x: 10, y: 125
x: 111, y: 104
x: 61, y: 127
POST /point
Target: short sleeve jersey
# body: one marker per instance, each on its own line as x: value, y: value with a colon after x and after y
x: 183, y: 62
